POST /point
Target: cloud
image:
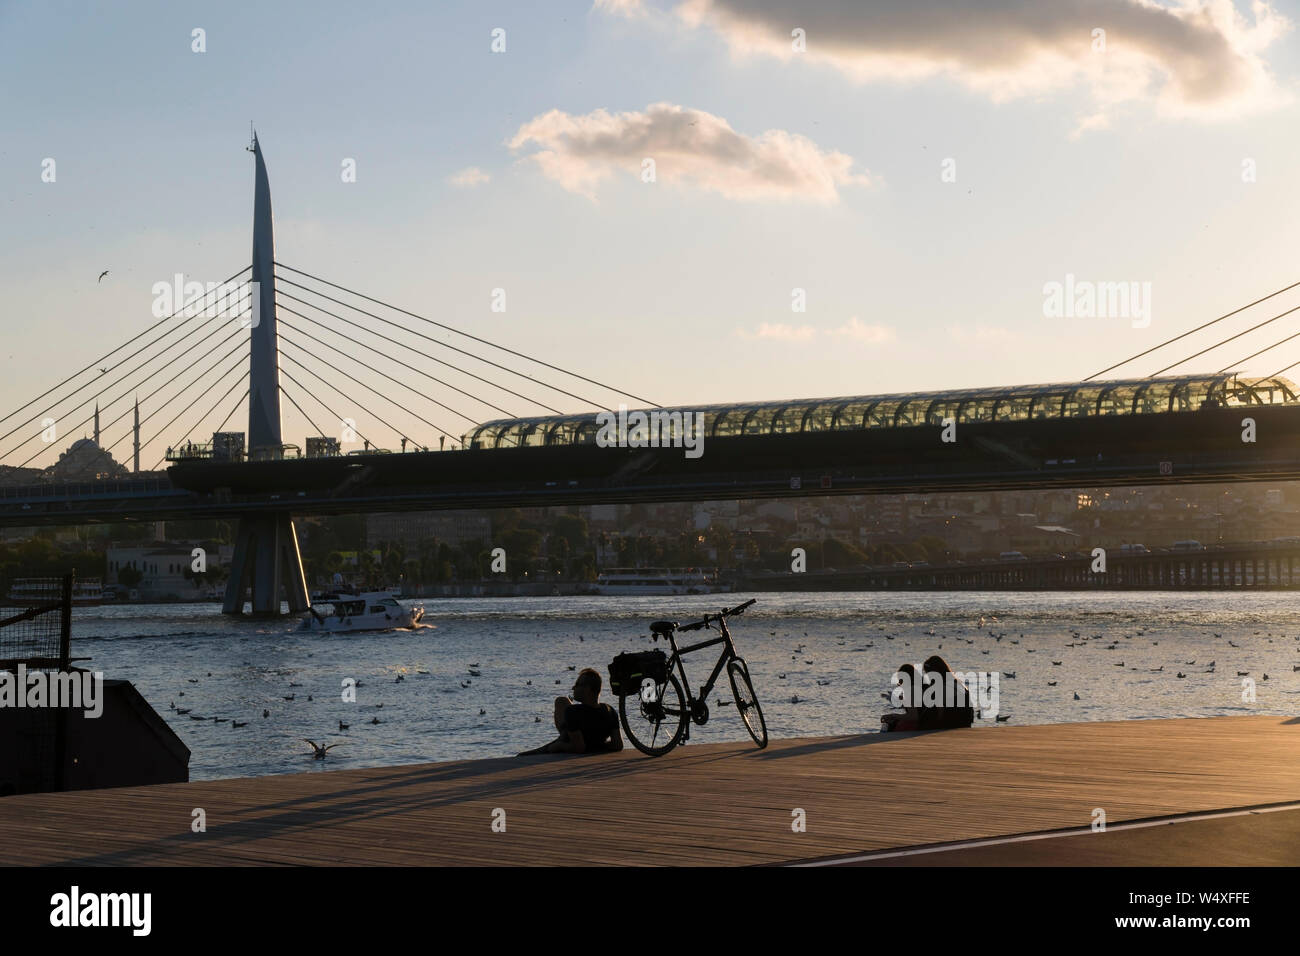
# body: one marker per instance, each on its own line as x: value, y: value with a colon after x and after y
x: 1190, y: 58
x: 980, y: 334
x: 469, y: 177
x: 859, y: 331
x: 628, y: 8
x: 780, y: 332
x: 688, y: 147
x: 853, y: 329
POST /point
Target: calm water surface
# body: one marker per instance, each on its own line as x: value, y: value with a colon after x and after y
x: 820, y: 663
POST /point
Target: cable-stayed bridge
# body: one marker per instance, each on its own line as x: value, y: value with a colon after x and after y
x: 458, y: 421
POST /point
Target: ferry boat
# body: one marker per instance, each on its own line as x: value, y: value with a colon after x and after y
x: 366, y: 611
x: 633, y: 581
x: 31, y: 592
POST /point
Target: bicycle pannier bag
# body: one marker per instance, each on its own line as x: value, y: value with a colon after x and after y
x: 626, y: 671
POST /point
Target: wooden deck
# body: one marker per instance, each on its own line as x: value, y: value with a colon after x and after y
x: 702, y: 804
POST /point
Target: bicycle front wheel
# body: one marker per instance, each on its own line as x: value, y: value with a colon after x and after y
x: 742, y: 688
x: 655, y: 719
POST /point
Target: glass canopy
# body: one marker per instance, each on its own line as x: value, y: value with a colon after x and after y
x: 1018, y: 403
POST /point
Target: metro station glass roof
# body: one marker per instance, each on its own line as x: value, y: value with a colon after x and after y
x: 1145, y: 396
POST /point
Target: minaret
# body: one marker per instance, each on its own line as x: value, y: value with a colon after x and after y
x: 97, y: 423
x: 264, y: 362
x: 137, y: 437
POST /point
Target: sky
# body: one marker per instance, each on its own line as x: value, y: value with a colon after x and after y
x: 844, y: 198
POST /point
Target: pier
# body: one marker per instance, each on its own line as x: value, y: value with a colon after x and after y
x: 885, y: 799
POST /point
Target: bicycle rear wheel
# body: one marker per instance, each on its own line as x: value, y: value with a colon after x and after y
x: 746, y: 702
x: 655, y: 719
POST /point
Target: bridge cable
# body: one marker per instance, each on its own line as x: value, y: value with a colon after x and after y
x: 388, y: 357
x: 110, y: 403
x: 1231, y: 338
x: 197, y: 379
x: 376, y: 392
x: 1267, y: 348
x: 285, y: 393
x: 95, y: 363
x: 431, y: 358
x: 337, y: 417
x: 1184, y: 335
x: 344, y: 395
x: 445, y: 345
x: 234, y: 385
x: 119, y: 379
x: 223, y: 375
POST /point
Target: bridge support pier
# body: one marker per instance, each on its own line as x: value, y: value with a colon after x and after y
x: 266, y: 559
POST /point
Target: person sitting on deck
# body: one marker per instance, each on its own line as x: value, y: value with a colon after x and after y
x: 585, y: 725
x: 956, y: 709
x: 909, y: 719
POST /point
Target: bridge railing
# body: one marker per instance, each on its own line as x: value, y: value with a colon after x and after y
x: 115, y: 487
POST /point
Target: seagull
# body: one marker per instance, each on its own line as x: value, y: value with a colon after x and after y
x: 320, y: 751
x: 101, y: 277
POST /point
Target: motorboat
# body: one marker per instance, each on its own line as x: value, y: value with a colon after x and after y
x: 366, y: 611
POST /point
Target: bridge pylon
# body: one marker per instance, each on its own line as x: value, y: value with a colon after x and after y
x: 266, y: 555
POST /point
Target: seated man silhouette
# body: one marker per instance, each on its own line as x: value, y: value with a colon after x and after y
x: 955, y: 709
x: 585, y: 725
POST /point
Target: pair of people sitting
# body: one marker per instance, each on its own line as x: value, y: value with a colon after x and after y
x: 585, y: 724
x: 931, y: 700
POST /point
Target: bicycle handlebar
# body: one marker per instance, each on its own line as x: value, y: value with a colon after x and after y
x: 725, y: 613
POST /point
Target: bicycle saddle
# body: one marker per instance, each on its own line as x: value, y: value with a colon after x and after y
x: 663, y: 627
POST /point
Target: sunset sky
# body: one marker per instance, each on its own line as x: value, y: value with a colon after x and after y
x: 1164, y: 154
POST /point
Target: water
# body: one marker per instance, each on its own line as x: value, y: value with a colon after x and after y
x: 220, y: 667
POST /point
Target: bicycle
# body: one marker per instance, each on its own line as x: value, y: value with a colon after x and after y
x: 659, y: 716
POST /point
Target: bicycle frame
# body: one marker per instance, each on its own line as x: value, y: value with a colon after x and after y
x: 727, y: 656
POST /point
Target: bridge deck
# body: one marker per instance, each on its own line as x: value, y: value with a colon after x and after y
x: 702, y: 804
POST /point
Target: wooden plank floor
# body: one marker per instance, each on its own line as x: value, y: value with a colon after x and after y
x: 702, y: 804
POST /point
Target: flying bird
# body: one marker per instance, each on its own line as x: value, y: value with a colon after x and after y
x: 101, y: 277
